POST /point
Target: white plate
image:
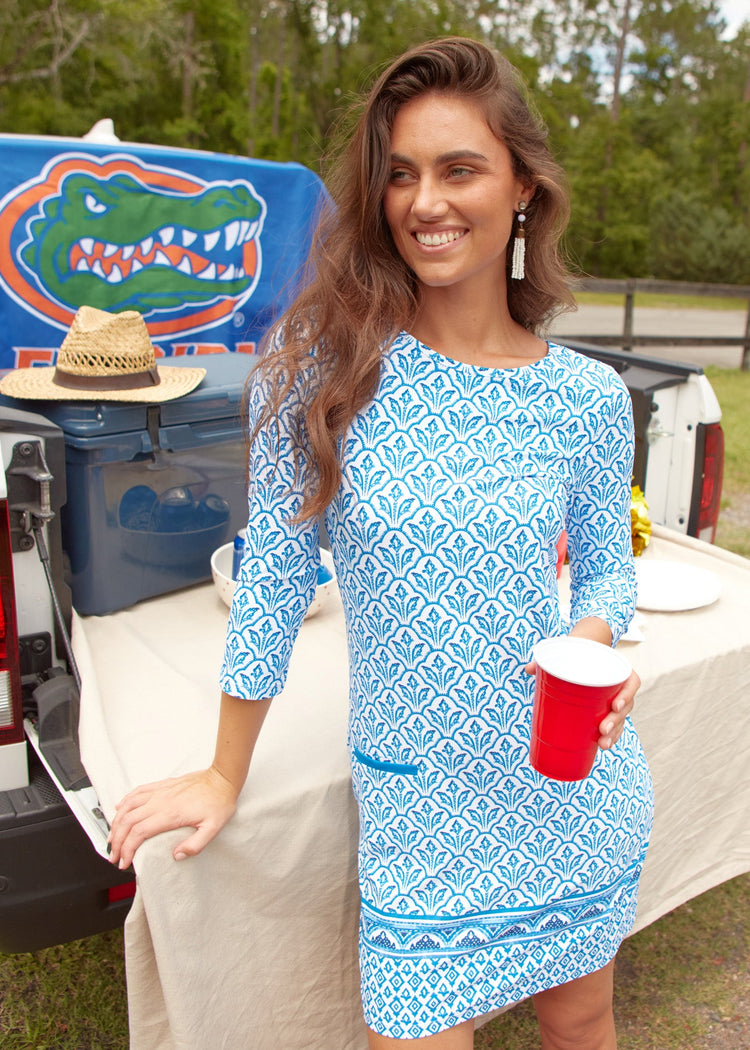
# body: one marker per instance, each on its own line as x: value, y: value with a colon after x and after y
x: 673, y: 586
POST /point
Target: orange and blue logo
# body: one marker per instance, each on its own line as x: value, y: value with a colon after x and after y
x: 121, y: 234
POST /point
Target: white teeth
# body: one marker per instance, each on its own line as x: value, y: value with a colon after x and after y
x: 231, y: 234
x: 235, y: 234
x: 433, y: 240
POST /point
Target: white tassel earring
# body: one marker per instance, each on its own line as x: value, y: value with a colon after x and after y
x: 517, y: 270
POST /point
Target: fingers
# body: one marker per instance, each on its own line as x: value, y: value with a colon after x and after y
x: 126, y: 838
x: 612, y: 726
x: 203, y: 801
x: 193, y: 845
x: 141, y: 815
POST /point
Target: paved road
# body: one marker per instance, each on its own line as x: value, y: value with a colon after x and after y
x: 608, y: 320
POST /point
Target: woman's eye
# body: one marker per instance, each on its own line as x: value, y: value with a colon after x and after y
x: 398, y: 175
x: 459, y: 172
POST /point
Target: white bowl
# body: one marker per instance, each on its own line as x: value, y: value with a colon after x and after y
x: 221, y: 571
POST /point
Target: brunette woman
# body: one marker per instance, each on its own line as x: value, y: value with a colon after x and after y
x: 410, y: 402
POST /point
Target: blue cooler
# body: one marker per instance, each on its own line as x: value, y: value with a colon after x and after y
x: 152, y: 490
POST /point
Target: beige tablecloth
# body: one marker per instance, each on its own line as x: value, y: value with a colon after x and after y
x: 252, y: 945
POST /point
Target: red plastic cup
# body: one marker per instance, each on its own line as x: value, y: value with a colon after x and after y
x: 576, y: 682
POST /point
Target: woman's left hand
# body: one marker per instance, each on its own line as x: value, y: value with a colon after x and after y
x: 612, y: 726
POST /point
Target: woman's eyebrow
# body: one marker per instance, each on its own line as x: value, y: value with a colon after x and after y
x: 444, y: 158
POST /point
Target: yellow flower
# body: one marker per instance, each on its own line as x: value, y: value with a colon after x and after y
x: 640, y: 523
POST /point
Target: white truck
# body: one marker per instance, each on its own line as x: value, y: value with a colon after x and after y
x: 679, y: 443
x: 63, y: 484
x: 54, y: 884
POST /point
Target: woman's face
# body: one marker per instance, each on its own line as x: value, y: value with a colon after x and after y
x: 452, y: 193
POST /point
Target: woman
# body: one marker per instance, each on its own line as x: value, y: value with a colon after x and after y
x: 410, y: 402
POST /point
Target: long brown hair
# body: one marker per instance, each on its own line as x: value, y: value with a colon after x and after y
x: 360, y: 293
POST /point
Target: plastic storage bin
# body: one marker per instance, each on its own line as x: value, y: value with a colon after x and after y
x: 152, y: 490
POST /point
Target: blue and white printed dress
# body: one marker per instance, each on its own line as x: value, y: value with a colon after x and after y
x: 482, y: 882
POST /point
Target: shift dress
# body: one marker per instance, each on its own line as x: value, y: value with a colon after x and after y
x: 482, y: 882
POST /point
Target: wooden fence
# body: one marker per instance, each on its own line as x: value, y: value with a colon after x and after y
x: 632, y: 286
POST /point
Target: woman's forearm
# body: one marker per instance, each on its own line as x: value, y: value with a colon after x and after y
x: 240, y: 723
x: 203, y: 801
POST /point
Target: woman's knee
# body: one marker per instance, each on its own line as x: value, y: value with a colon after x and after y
x: 585, y: 1033
x: 578, y: 1015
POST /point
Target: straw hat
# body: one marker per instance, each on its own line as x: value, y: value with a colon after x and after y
x: 104, y: 357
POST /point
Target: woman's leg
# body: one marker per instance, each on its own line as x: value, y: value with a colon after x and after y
x: 461, y: 1037
x: 579, y: 1014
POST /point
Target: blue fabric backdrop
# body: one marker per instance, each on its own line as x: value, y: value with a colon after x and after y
x: 206, y: 246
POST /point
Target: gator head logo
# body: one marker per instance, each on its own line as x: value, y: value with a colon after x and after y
x: 118, y: 234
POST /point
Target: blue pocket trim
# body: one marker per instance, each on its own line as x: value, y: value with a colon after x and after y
x: 386, y: 767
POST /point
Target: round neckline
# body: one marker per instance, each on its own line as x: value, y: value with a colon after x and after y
x: 453, y: 362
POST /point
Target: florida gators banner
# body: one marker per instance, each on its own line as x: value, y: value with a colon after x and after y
x: 207, y: 247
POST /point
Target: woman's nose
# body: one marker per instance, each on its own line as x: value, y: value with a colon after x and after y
x: 429, y: 199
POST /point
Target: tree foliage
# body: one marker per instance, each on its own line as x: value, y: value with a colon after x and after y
x: 647, y: 101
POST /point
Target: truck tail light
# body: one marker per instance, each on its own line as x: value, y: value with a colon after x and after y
x: 710, y: 474
x: 124, y: 891
x: 11, y: 703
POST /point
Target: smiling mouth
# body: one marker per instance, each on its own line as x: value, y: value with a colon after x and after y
x: 435, y: 240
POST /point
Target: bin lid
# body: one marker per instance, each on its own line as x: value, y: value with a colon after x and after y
x: 219, y: 396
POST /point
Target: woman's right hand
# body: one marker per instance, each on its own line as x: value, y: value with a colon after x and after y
x: 204, y: 800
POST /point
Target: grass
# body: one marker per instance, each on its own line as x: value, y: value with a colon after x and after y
x: 682, y: 984
x: 71, y: 997
x: 733, y: 391
x: 654, y: 300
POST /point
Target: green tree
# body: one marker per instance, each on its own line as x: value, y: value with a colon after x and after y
x: 646, y: 101
x: 695, y: 241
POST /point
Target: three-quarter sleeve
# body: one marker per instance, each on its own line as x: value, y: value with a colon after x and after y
x: 278, y: 572
x: 602, y: 571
